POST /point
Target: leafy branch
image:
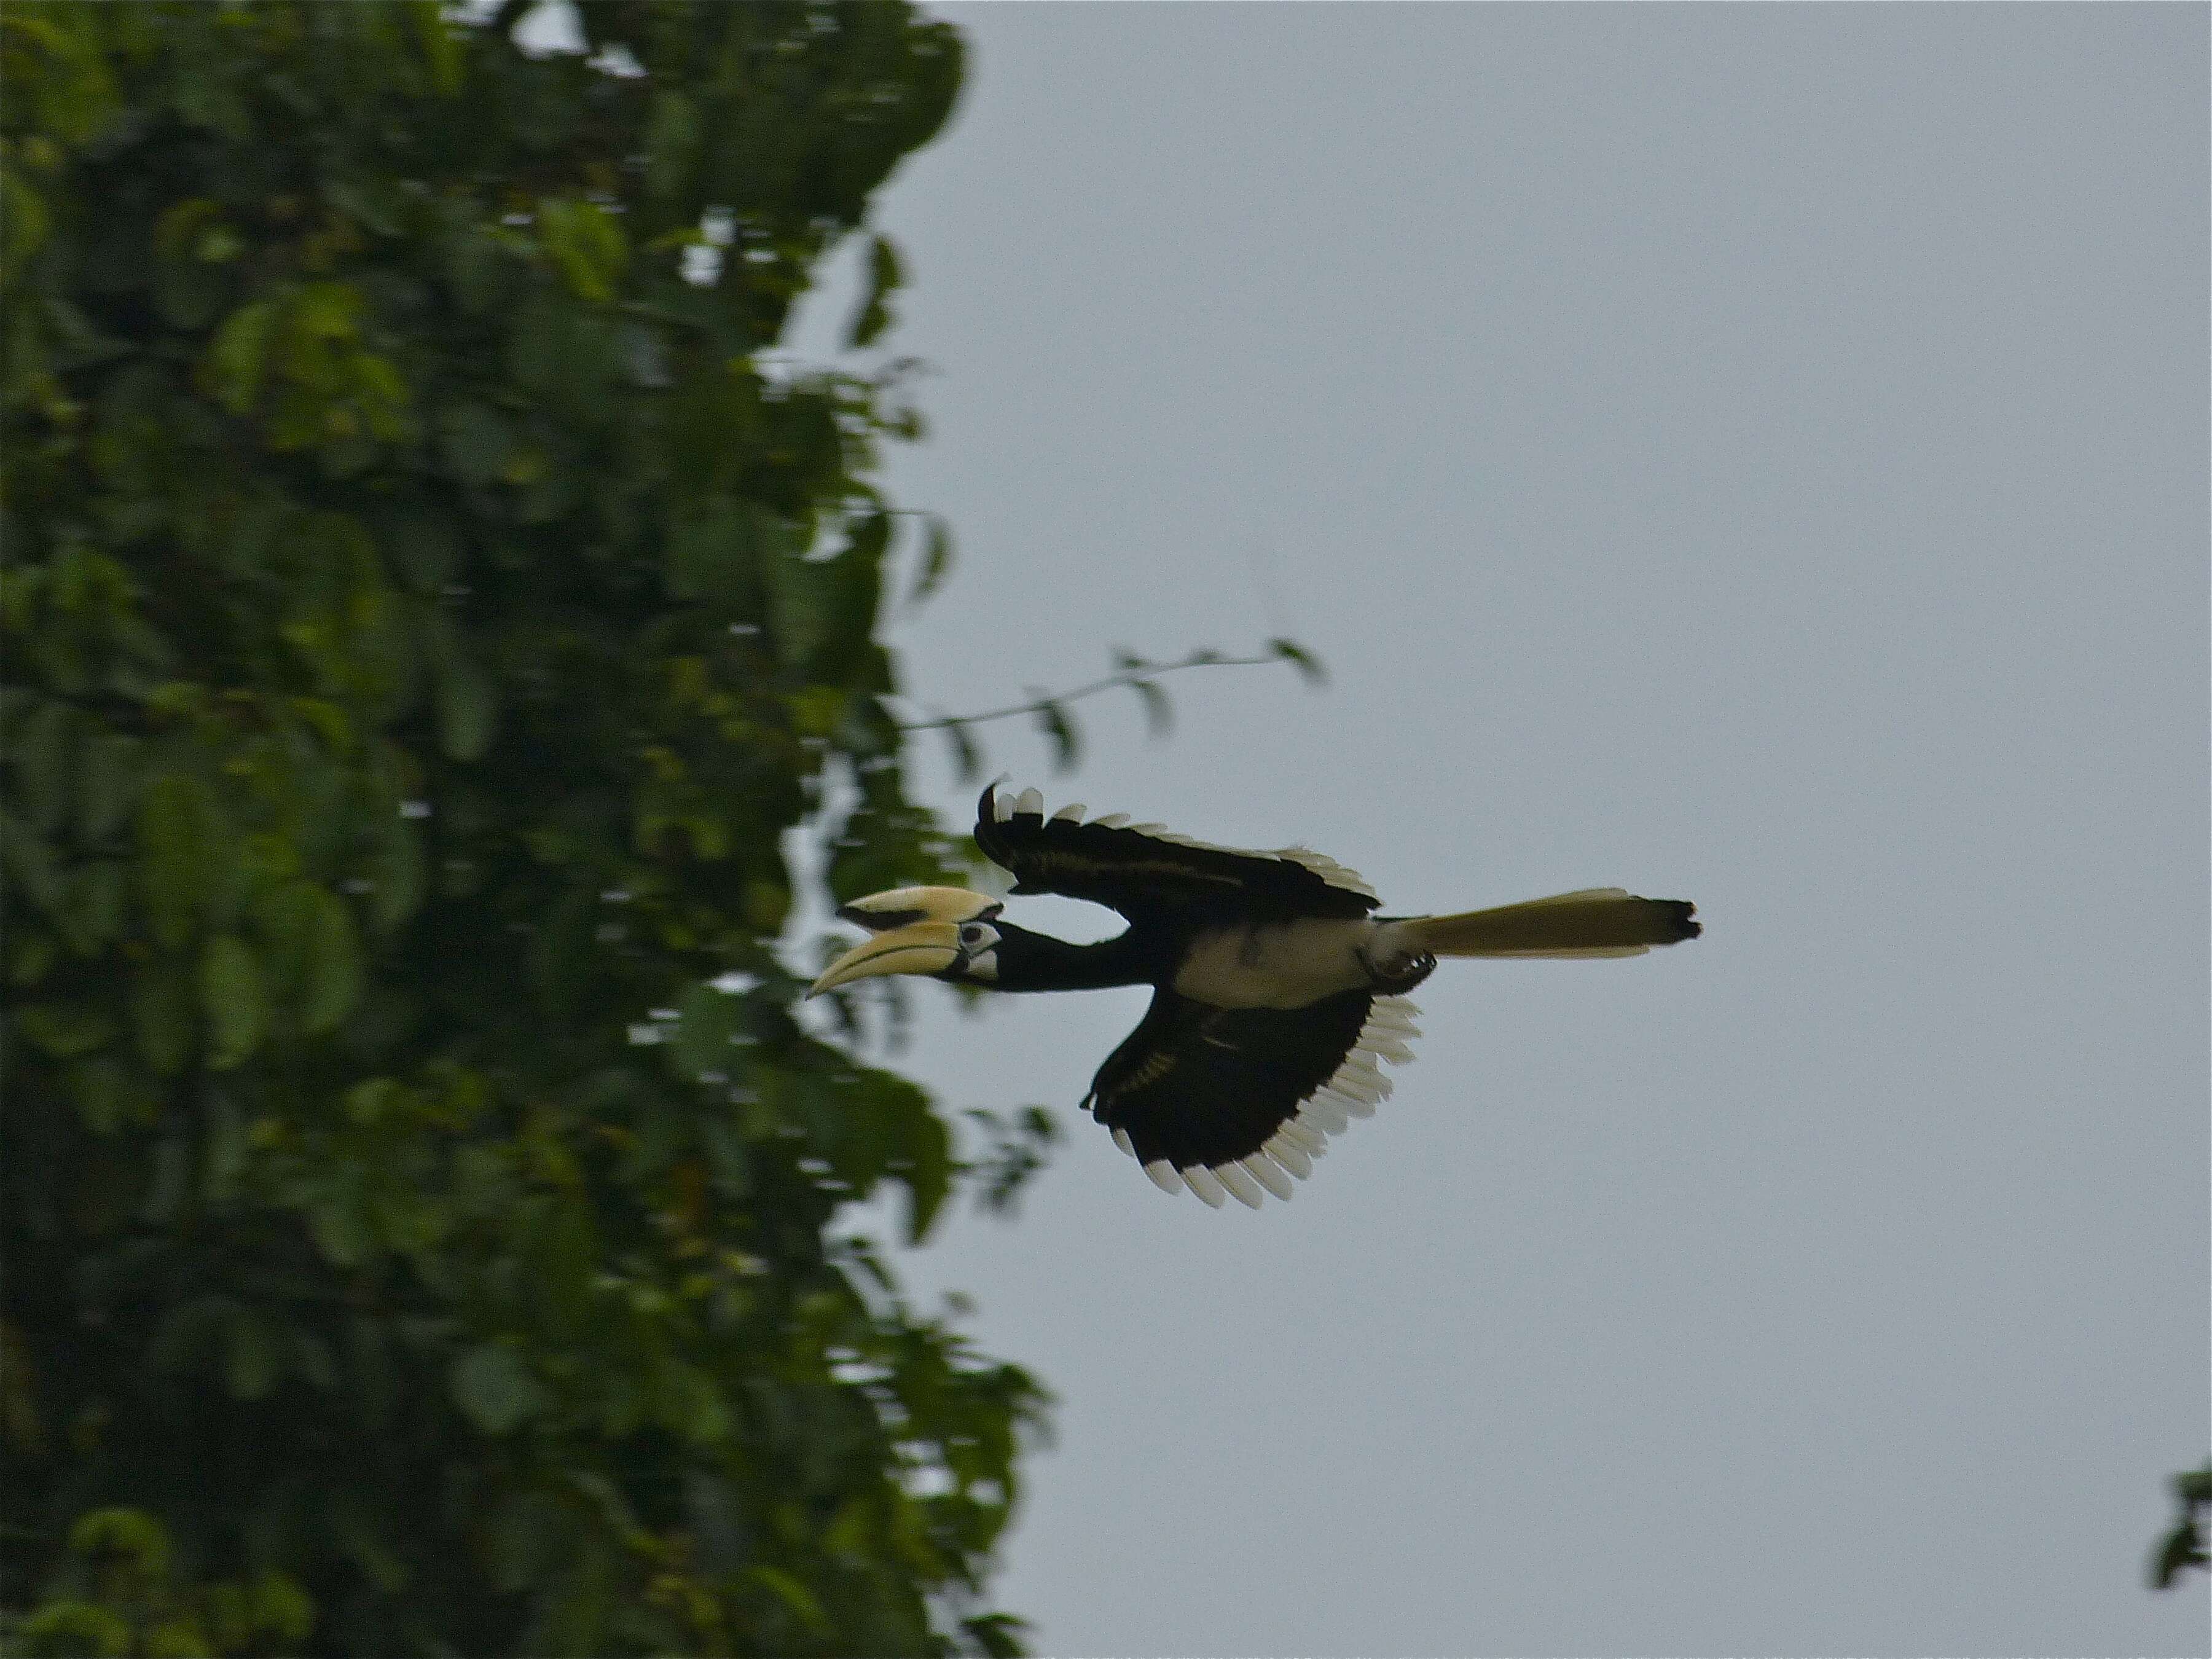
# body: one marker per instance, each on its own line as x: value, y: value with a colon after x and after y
x: 1018, y: 1147
x: 1049, y: 708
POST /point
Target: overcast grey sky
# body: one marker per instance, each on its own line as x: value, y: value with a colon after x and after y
x: 1751, y: 453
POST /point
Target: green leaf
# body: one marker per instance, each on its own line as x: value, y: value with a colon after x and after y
x: 162, y: 1015
x: 24, y: 223
x: 998, y: 1635
x: 29, y: 858
x: 46, y: 753
x: 132, y: 1535
x: 65, y: 1030
x: 706, y: 1021
x: 396, y: 868
x: 869, y: 538
x: 586, y: 245
x: 466, y: 711
x: 324, y: 311
x: 233, y: 999
x: 1159, y: 715
x: 32, y: 953
x: 354, y: 1530
x: 967, y: 759
x: 691, y: 1405
x: 1052, y: 720
x: 191, y: 244
x: 476, y: 266
x: 936, y: 560
x: 368, y: 201
x: 2182, y: 1548
x: 477, y: 442
x: 252, y: 1360
x: 108, y: 786
x: 1309, y: 665
x: 338, y: 1220
x: 109, y: 1094
x: 177, y: 842
x: 441, y: 44
x: 492, y: 1385
x: 184, y: 227
x: 237, y: 358
x: 72, y: 1626
x: 225, y: 1149
x: 824, y: 609
x: 523, y: 1541
x: 885, y: 276
x: 334, y: 971
x: 671, y: 142
x: 718, y: 555
x: 281, y: 1607
x: 927, y: 1155
x: 92, y: 914
x: 422, y: 545
x: 800, y: 1602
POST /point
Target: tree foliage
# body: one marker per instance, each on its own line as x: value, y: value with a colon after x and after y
x: 429, y: 612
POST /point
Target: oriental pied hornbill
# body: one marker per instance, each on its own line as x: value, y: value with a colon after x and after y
x: 1276, y: 993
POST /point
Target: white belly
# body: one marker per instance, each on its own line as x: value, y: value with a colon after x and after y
x: 1284, y: 967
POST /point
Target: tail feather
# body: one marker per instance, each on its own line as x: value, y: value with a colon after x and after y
x: 1597, y: 921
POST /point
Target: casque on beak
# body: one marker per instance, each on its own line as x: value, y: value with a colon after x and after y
x: 916, y: 930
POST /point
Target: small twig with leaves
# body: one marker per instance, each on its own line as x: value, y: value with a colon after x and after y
x: 1017, y: 1145
x: 1049, y: 709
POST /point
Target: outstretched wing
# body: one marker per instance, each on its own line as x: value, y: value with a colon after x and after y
x: 1146, y: 873
x: 1228, y: 1101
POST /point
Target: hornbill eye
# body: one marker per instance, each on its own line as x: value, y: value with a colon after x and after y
x: 974, y: 936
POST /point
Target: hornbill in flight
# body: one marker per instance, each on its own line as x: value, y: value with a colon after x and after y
x: 1277, y: 993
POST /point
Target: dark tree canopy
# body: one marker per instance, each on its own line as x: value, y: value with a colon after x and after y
x: 426, y: 611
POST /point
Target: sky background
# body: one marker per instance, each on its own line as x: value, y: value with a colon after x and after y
x: 1756, y: 454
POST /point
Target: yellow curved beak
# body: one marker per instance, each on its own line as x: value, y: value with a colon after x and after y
x: 919, y: 947
x: 917, y: 931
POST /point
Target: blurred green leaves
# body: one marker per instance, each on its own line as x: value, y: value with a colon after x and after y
x: 233, y: 997
x: 427, y: 623
x: 122, y: 1597
x: 493, y: 1386
x: 586, y: 246
x: 886, y: 275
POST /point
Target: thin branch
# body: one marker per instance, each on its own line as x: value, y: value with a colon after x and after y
x: 1131, y: 676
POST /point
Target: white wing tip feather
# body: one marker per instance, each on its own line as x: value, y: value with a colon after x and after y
x: 1353, y: 1090
x: 1290, y: 1154
x: 1241, y: 1186
x: 1263, y: 1169
x: 1201, y: 1181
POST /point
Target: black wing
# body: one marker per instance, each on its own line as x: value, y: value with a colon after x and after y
x: 1231, y: 1100
x: 1148, y: 874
